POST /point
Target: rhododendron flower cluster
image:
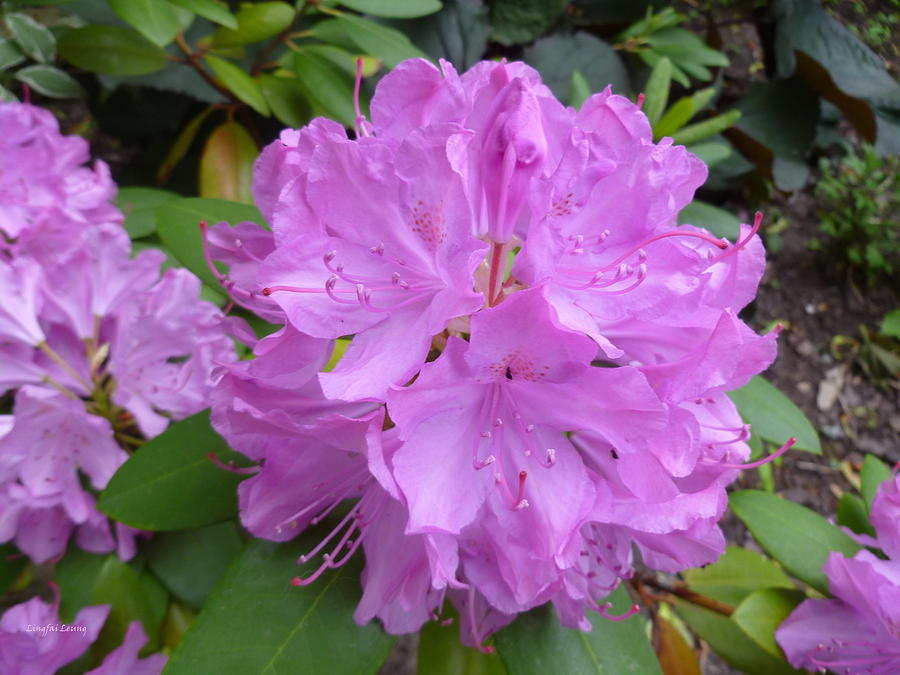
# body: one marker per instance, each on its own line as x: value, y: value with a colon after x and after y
x: 98, y: 349
x: 536, y: 383
x: 34, y: 641
x: 857, y: 632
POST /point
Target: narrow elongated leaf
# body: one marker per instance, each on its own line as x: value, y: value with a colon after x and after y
x: 386, y: 44
x: 181, y: 145
x: 852, y: 513
x: 139, y: 206
x: 156, y: 20
x: 50, y: 81
x: 730, y: 642
x: 874, y: 473
x: 111, y: 50
x: 170, y: 483
x: 718, y: 221
x: 287, y: 99
x: 190, y: 562
x: 240, y: 83
x: 256, y: 622
x: 773, y: 416
x: 712, y: 152
x: 226, y: 167
x: 675, y: 118
x: 209, y: 9
x: 694, y: 133
x: 580, y: 91
x: 394, y: 9
x: 761, y: 612
x: 736, y: 575
x: 325, y: 85
x: 178, y: 224
x: 536, y: 643
x: 33, y: 38
x: 657, y: 90
x: 256, y: 22
x: 795, y: 536
x: 10, y: 54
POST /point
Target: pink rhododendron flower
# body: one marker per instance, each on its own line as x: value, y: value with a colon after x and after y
x: 102, y: 352
x: 33, y: 641
x: 858, y: 631
x: 534, y: 390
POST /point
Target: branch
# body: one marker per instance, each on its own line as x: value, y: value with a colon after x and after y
x: 682, y: 591
x: 193, y: 60
x: 260, y: 62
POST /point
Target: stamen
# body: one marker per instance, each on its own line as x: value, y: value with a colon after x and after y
x: 757, y: 222
x: 752, y: 465
x: 231, y: 467
x: 360, y: 125
x: 473, y: 624
x: 603, y: 610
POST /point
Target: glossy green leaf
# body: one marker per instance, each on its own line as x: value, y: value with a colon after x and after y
x: 558, y: 56
x: 730, y: 642
x: 890, y: 324
x: 226, y: 166
x: 178, y: 224
x: 181, y: 145
x: 10, y: 54
x: 139, y: 206
x: 239, y: 83
x: 326, y: 86
x: 711, y: 152
x: 675, y: 118
x: 190, y: 562
x: 441, y: 652
x: 256, y: 622
x: 12, y: 562
x: 874, y: 473
x: 694, y: 133
x: 256, y: 22
x: 88, y: 579
x: 111, y: 50
x: 386, y: 44
x: 735, y: 575
x: 657, y: 90
x: 458, y: 33
x: 536, y: 644
x: 394, y: 9
x: 156, y: 20
x: 798, y: 538
x: 170, y: 483
x: 521, y: 21
x: 773, y: 415
x: 761, y: 612
x: 580, y: 90
x: 287, y: 99
x: 852, y: 513
x: 33, y: 38
x: 50, y: 81
x: 718, y: 221
x: 214, y: 10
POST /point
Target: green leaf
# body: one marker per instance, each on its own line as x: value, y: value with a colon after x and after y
x: 209, y: 9
x: 170, y: 483
x: 441, y: 652
x: 394, y: 9
x: 701, y: 130
x: 34, y: 39
x: 657, y: 90
x: 558, y: 56
x: 139, y: 206
x: 718, y: 221
x: 12, y: 562
x: 286, y: 99
x: 190, y: 562
x: 239, y: 83
x: 226, y: 166
x: 675, y: 118
x: 536, y: 644
x: 795, y: 536
x: 156, y: 20
x: 520, y: 21
x: 712, y: 152
x: 874, y: 473
x: 111, y: 50
x: 761, y: 612
x: 458, y: 33
x: 256, y: 22
x: 730, y: 642
x: 256, y: 622
x: 88, y: 579
x: 178, y: 224
x: 181, y: 145
x: 386, y: 44
x: 736, y: 575
x: 580, y: 91
x: 7, y: 96
x: 326, y: 86
x: 50, y: 81
x: 774, y: 416
x: 851, y: 512
x: 890, y: 324
x: 10, y: 55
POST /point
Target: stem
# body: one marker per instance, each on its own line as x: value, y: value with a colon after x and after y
x: 682, y: 591
x: 130, y: 440
x: 193, y: 60
x: 260, y: 62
